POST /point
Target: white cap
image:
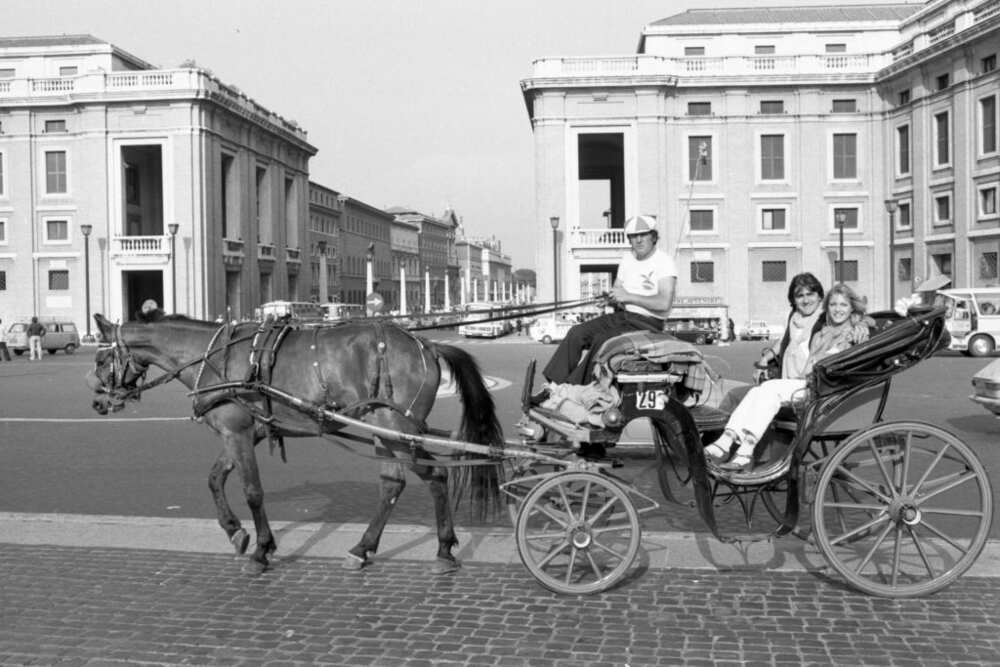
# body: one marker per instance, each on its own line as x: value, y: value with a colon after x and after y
x: 640, y: 224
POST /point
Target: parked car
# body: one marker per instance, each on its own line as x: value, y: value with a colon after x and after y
x: 59, y: 335
x: 696, y: 335
x: 755, y: 330
x: 550, y: 329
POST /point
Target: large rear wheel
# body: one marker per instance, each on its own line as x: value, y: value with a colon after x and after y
x: 902, y: 509
x: 577, y: 532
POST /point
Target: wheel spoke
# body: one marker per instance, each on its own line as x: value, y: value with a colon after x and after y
x: 896, y: 550
x: 567, y: 507
x: 953, y: 512
x: 907, y: 453
x: 606, y: 549
x: 930, y: 469
x: 570, y: 566
x: 865, y: 485
x: 926, y: 524
x: 881, y: 466
x: 856, y: 506
x: 553, y: 552
x: 871, y: 552
x: 615, y: 527
x: 920, y: 550
x: 860, y: 529
x: 548, y: 511
x: 546, y: 536
x: 959, y: 478
x: 594, y: 567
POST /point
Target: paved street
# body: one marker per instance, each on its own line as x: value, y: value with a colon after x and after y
x: 137, y: 572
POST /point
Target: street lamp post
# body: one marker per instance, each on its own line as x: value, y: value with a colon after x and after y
x: 86, y: 229
x: 841, y: 217
x: 890, y: 206
x: 554, y: 221
x: 172, y: 228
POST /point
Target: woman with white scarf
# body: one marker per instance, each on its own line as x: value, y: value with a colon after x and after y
x: 844, y: 325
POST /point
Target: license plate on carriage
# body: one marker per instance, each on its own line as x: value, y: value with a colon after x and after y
x: 650, y: 399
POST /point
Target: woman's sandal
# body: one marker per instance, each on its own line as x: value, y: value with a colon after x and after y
x: 738, y: 463
x: 716, y: 452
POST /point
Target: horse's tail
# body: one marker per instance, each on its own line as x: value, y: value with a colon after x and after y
x: 479, y: 425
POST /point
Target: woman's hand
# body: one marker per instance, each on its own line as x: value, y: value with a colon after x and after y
x: 859, y: 333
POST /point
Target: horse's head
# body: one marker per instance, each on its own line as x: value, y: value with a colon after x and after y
x: 117, y: 375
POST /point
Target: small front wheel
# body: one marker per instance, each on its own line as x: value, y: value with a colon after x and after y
x: 70, y: 349
x: 546, y: 339
x: 577, y: 532
x: 981, y: 346
x: 902, y: 509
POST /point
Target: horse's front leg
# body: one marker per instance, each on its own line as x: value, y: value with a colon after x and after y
x: 230, y: 523
x: 238, y: 446
x: 437, y: 481
x: 392, y: 481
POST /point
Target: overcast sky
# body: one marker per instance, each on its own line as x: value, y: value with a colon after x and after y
x: 411, y: 103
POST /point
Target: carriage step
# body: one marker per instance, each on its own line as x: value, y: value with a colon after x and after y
x: 707, y: 418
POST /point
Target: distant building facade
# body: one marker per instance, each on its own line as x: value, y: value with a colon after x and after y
x: 192, y: 193
x: 326, y: 208
x: 485, y: 270
x: 769, y: 140
x: 438, y: 262
x: 366, y: 232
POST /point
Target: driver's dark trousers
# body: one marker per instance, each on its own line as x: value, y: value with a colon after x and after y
x: 565, y: 365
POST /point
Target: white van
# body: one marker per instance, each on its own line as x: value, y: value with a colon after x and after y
x: 973, y: 319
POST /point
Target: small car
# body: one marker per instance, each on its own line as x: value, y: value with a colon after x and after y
x: 59, y: 335
x: 696, y: 335
x: 550, y: 329
x: 755, y: 330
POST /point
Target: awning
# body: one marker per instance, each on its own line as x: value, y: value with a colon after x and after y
x: 933, y: 284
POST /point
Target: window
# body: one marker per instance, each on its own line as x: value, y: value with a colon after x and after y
x: 3, y: 281
x: 700, y: 158
x: 59, y: 280
x: 845, y: 156
x: 987, y: 201
x: 2, y: 191
x: 55, y: 126
x: 836, y: 48
x: 942, y: 210
x: 988, y: 124
x: 850, y: 216
x: 942, y: 152
x: 702, y: 272
x: 942, y: 82
x: 56, y: 231
x: 699, y: 108
x: 904, y: 220
x: 772, y: 157
x: 846, y: 271
x: 942, y: 262
x: 772, y: 106
x: 988, y: 266
x: 772, y: 220
x: 694, y: 50
x: 845, y: 106
x: 904, y: 269
x: 55, y: 172
x: 773, y: 271
x: 3, y: 231
x: 69, y: 70
x: 7, y: 73
x: 904, y: 97
x: 903, y: 149
x: 989, y: 63
x: 702, y: 220
x: 764, y: 49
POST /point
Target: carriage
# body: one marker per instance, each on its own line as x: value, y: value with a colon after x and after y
x: 898, y: 508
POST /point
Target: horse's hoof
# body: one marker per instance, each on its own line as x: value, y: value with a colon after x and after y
x: 445, y: 566
x: 240, y: 540
x: 353, y: 563
x: 254, y: 567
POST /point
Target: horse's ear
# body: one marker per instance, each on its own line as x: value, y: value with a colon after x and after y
x: 105, y: 327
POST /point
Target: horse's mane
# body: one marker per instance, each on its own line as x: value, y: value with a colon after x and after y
x: 157, y: 315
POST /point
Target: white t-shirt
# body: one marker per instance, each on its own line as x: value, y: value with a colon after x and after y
x: 643, y: 276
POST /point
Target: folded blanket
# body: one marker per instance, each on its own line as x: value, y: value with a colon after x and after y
x: 582, y: 404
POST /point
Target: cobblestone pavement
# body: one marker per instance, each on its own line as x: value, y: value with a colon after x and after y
x: 101, y: 606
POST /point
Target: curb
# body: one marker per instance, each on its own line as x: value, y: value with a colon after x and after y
x: 659, y: 551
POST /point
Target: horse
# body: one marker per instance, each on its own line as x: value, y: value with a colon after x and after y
x: 372, y: 371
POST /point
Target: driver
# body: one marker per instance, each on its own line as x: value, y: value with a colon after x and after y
x: 642, y: 295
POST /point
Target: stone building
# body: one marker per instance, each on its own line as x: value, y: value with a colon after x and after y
x: 166, y: 183
x: 770, y: 141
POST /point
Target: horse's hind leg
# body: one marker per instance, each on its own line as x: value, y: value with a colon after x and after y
x: 437, y: 481
x: 391, y: 484
x: 227, y: 519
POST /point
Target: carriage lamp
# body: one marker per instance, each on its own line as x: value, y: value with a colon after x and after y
x: 890, y: 206
x: 172, y: 228
x: 554, y: 221
x: 841, y: 218
x: 86, y: 229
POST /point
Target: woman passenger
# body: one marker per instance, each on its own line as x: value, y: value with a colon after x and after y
x: 843, y: 325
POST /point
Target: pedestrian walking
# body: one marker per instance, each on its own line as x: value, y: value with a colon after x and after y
x: 36, y: 331
x: 4, y: 352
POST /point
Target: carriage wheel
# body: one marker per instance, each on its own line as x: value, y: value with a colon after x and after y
x: 902, y: 509
x: 577, y: 532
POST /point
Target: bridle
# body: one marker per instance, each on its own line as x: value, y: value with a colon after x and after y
x: 126, y: 377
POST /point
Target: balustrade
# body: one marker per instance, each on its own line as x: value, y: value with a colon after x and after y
x: 598, y: 238
x: 140, y: 246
